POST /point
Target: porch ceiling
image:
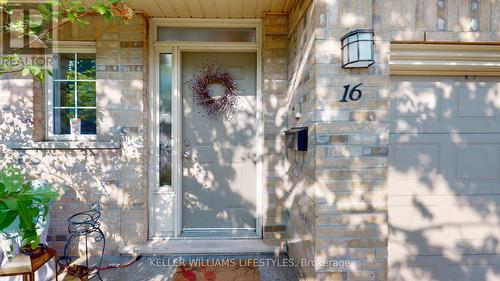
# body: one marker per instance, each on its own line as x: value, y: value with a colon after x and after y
x: 223, y: 9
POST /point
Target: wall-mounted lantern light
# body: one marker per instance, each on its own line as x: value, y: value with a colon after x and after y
x: 357, y: 48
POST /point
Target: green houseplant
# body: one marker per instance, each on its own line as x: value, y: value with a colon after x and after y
x: 23, y: 207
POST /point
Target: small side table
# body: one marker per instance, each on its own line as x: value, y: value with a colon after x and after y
x: 26, y: 266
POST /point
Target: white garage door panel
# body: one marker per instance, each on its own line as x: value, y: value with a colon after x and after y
x: 401, y: 249
x: 444, y: 105
x: 442, y: 268
x: 449, y: 262
x: 440, y: 164
x: 444, y: 179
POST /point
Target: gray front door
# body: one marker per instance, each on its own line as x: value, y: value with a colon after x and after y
x: 219, y: 157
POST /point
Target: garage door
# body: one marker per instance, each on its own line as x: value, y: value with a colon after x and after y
x: 444, y: 178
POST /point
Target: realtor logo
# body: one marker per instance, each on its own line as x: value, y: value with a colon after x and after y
x: 26, y: 27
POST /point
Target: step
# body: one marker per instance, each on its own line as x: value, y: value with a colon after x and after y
x: 203, y: 247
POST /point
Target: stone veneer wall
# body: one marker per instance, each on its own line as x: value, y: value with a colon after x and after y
x: 274, y: 86
x: 301, y: 98
x: 351, y: 151
x: 110, y: 171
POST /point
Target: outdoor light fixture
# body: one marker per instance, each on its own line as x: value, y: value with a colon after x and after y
x: 357, y: 48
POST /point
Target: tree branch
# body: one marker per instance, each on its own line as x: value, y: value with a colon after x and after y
x: 46, y: 32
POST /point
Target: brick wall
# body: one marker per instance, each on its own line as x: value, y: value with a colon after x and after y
x: 351, y: 152
x: 16, y: 96
x: 301, y: 99
x: 274, y: 86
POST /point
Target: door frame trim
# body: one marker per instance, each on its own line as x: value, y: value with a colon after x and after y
x: 176, y: 49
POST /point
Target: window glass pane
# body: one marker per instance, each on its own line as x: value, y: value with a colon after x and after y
x: 365, y: 36
x: 61, y: 120
x: 345, y: 55
x: 165, y: 119
x: 65, y: 66
x: 64, y: 94
x: 88, y: 121
x: 352, y: 38
x: 365, y: 52
x: 206, y: 34
x: 86, y: 66
x: 353, y: 52
x: 86, y: 93
x: 474, y: 12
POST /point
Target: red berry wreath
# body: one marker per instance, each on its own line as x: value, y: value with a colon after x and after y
x: 226, y: 104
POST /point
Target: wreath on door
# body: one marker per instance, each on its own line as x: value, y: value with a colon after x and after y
x: 214, y: 106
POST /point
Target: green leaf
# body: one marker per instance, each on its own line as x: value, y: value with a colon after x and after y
x: 72, y: 16
x: 45, y: 10
x: 11, y: 203
x: 113, y: 1
x: 11, y: 178
x: 29, y: 237
x: 7, y: 218
x: 20, y: 199
x: 3, y: 207
x: 82, y: 22
x: 35, y: 242
x: 34, y: 69
x: 25, y: 72
x: 3, y: 190
x: 26, y: 216
x: 40, y: 77
x: 108, y: 15
x: 80, y: 9
x: 45, y: 212
x: 100, y: 8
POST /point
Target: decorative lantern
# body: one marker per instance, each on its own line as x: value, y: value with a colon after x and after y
x: 357, y: 48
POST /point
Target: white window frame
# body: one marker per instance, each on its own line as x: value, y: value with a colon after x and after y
x: 65, y: 47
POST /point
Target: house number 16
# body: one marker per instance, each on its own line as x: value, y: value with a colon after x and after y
x: 354, y: 94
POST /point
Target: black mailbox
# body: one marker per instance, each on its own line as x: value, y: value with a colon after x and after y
x: 296, y: 138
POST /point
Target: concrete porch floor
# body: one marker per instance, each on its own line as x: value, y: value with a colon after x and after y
x: 156, y: 268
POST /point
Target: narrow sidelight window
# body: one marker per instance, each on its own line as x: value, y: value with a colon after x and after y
x: 165, y: 103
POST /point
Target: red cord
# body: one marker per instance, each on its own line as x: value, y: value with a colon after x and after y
x: 123, y: 265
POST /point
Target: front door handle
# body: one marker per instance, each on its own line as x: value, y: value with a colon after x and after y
x: 164, y: 146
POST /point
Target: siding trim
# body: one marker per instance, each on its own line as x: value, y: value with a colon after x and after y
x: 444, y: 59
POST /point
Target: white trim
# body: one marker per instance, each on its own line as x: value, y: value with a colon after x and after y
x: 152, y: 123
x: 203, y: 23
x: 78, y: 47
x: 214, y: 46
x: 177, y: 152
x: 444, y: 59
x: 260, y: 134
x: 176, y: 48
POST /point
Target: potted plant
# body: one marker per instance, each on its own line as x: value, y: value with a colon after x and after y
x: 24, y: 206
